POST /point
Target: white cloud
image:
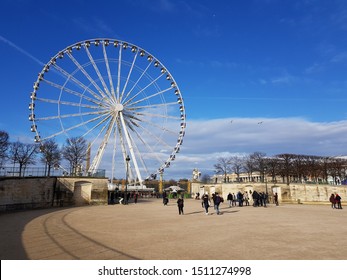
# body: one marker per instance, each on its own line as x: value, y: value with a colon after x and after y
x: 206, y: 140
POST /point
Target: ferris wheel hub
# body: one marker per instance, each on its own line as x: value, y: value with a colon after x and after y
x: 118, y: 107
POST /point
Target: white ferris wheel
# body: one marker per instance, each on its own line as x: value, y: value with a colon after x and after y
x: 118, y: 97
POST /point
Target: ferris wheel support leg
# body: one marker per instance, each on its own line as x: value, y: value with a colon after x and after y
x: 101, y: 150
x: 131, y: 149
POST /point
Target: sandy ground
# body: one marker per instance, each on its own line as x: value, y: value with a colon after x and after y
x: 150, y: 231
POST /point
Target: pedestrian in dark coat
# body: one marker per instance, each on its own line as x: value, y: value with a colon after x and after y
x: 256, y: 197
x: 180, y: 205
x: 206, y: 202
x: 332, y: 201
x: 165, y: 199
x: 338, y: 201
x: 217, y: 201
x: 230, y: 199
x: 276, y: 199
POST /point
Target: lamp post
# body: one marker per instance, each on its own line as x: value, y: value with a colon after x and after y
x: 127, y: 159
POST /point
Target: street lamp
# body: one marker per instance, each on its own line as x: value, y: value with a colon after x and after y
x: 127, y: 159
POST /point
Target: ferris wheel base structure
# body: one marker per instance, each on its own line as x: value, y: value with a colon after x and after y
x: 119, y: 98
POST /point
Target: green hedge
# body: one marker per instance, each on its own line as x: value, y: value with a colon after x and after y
x: 186, y: 195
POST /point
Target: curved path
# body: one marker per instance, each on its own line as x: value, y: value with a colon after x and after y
x: 149, y: 230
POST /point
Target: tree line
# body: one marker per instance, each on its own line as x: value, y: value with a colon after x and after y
x: 288, y: 167
x: 20, y: 154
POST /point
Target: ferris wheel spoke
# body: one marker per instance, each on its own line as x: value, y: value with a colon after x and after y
x: 71, y: 115
x: 108, y: 71
x: 54, y: 101
x: 70, y: 91
x: 98, y: 72
x: 151, y: 106
x: 101, y: 131
x: 152, y: 124
x: 79, y: 66
x: 105, y: 119
x: 154, y: 136
x: 128, y: 77
x: 77, y: 82
x: 119, y: 72
x: 143, y: 113
x: 149, y: 148
x: 150, y: 96
x: 136, y: 83
x: 101, y: 150
x: 64, y: 130
x: 143, y: 89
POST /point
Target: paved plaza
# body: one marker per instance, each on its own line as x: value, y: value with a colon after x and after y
x: 150, y: 231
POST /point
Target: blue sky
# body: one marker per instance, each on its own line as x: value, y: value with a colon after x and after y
x: 256, y: 75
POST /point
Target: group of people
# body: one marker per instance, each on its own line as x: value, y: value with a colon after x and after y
x: 240, y: 199
x: 216, y: 199
x: 259, y: 199
x: 335, y: 200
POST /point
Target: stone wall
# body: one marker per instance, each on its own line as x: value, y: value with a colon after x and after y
x: 293, y: 193
x: 43, y: 192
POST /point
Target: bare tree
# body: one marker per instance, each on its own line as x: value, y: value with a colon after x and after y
x: 259, y: 162
x: 299, y: 167
x: 75, y: 152
x: 23, y: 154
x: 337, y: 168
x: 237, y: 164
x: 286, y: 165
x: 273, y: 167
x: 249, y: 167
x: 313, y: 167
x: 50, y: 155
x: 4, y: 143
x: 223, y: 167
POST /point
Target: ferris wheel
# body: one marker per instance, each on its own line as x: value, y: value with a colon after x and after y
x: 118, y: 97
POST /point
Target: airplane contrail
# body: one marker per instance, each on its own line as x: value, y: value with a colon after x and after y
x: 8, y: 42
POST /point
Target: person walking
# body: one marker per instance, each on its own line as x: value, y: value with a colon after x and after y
x: 265, y: 197
x: 180, y: 205
x: 206, y: 202
x: 165, y: 199
x: 217, y: 202
x: 234, y: 199
x: 338, y: 201
x: 246, y: 198
x: 256, y: 198
x: 276, y: 199
x: 332, y: 201
x: 230, y: 199
x: 213, y: 199
x: 240, y: 198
